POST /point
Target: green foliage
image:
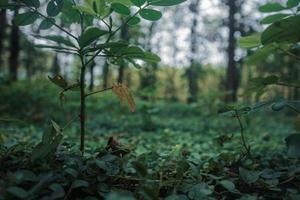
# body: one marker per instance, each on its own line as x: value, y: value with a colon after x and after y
x: 250, y: 41
x: 54, y: 7
x: 90, y: 35
x: 26, y: 18
x: 150, y: 14
x: 181, y: 158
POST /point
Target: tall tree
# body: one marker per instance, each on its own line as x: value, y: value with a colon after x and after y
x: 55, y: 65
x: 148, y: 75
x: 232, y: 72
x: 192, y: 71
x: 125, y: 37
x: 14, y: 50
x: 2, y: 33
x: 105, y: 73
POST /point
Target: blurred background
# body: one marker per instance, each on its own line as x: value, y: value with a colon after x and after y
x: 197, y: 42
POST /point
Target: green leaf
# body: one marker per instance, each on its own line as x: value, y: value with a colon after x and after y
x: 251, y: 41
x: 248, y: 176
x: 80, y: 183
x: 134, y: 21
x: 42, y: 150
x: 85, y: 9
x: 120, y: 8
x: 132, y: 51
x: 165, y: 2
x: 199, y: 191
x: 120, y: 195
x: 59, y: 81
x: 271, y: 7
x: 281, y: 31
x: 101, y: 7
x: 260, y: 55
x: 138, y: 3
x: 292, y: 3
x: 228, y: 185
x: 149, y: 14
x: 33, y: 3
x: 54, y: 7
x: 109, y: 45
x: 273, y: 18
x: 293, y: 145
x: 69, y: 14
x: 18, y: 192
x: 278, y: 106
x: 24, y: 19
x: 58, y: 191
x: 72, y: 172
x: 150, y: 57
x: 46, y: 23
x: 25, y: 175
x: 90, y: 35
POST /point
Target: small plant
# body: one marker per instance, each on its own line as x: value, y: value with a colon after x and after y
x: 96, y: 22
x: 281, y: 36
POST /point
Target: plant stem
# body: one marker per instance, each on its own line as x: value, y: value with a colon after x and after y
x: 293, y: 108
x: 114, y: 32
x: 242, y: 132
x: 82, y: 104
x: 289, y: 53
x: 99, y: 91
x: 288, y: 85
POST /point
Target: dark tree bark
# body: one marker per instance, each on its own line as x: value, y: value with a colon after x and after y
x: 121, y: 72
x: 14, y: 51
x: 105, y: 75
x: 192, y: 71
x: 55, y: 66
x: 2, y: 33
x: 148, y: 76
x: 232, y: 72
x: 125, y: 37
x: 92, y: 66
x: 28, y: 62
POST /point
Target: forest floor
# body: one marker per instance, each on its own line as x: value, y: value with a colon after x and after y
x: 165, y: 150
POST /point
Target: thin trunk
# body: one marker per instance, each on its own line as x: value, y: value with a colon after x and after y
x: 92, y: 66
x: 125, y: 37
x: 148, y: 76
x: 2, y: 33
x: 28, y: 66
x: 82, y: 105
x: 232, y: 73
x: 105, y: 75
x: 192, y: 72
x: 55, y: 65
x: 14, y: 51
x: 121, y: 72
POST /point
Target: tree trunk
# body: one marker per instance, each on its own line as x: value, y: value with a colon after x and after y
x: 192, y: 72
x: 105, y: 75
x: 125, y: 37
x: 148, y: 76
x: 121, y: 72
x: 14, y: 51
x: 55, y: 66
x: 92, y: 66
x: 2, y: 33
x: 232, y: 73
